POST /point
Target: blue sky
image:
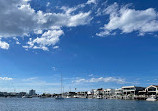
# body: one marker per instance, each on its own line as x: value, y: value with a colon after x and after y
x: 92, y: 43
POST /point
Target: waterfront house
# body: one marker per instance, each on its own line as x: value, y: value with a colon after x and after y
x: 118, y: 93
x: 72, y: 94
x: 109, y: 92
x: 152, y: 90
x: 131, y: 90
x: 94, y: 92
x: 82, y: 94
x: 99, y: 93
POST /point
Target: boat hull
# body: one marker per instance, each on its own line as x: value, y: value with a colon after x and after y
x: 151, y: 99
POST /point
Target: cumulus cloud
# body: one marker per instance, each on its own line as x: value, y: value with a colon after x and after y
x: 129, y: 20
x: 4, y: 45
x: 16, y: 18
x: 51, y: 37
x: 19, y: 19
x: 38, y: 31
x: 6, y: 78
x: 101, y: 79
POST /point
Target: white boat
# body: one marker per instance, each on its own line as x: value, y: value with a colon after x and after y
x: 99, y: 97
x: 26, y: 96
x: 67, y: 97
x: 151, y: 98
x: 59, y: 97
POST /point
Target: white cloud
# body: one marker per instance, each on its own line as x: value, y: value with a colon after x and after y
x: 68, y: 10
x: 91, y: 1
x: 19, y: 19
x: 26, y: 0
x: 48, y: 3
x: 6, y: 78
x: 51, y: 37
x: 30, y: 79
x: 38, y: 31
x: 54, y: 68
x: 103, y: 33
x: 91, y: 75
x: 101, y: 79
x: 55, y: 47
x: 17, y: 40
x: 4, y: 45
x: 35, y: 81
x: 79, y: 19
x: 129, y: 20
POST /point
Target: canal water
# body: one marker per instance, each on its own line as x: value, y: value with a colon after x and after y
x: 50, y: 104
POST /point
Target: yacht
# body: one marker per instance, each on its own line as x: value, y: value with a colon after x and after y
x: 151, y: 98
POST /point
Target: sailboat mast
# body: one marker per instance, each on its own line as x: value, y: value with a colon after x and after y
x: 61, y: 84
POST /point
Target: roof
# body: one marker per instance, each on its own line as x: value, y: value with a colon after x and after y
x: 153, y: 86
x: 132, y: 87
x: 128, y: 86
x: 118, y: 89
x: 100, y: 89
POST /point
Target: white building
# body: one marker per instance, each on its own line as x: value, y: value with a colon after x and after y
x: 109, y: 92
x: 89, y: 92
x: 152, y: 90
x: 118, y: 92
x: 131, y: 90
x: 94, y: 92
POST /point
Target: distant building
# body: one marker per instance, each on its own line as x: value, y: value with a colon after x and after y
x: 22, y: 93
x: 100, y: 91
x: 32, y: 92
x: 13, y: 93
x: 89, y: 92
x: 131, y: 90
x: 70, y: 94
x: 152, y: 90
x: 109, y: 92
x: 94, y: 92
x: 82, y: 93
x: 118, y: 92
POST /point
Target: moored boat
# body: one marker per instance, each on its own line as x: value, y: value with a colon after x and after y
x: 151, y: 98
x: 59, y: 97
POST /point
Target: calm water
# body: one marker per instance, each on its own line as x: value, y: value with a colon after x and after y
x: 37, y: 104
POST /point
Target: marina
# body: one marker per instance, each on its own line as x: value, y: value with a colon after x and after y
x: 149, y: 93
x: 78, y: 55
x: 75, y: 104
